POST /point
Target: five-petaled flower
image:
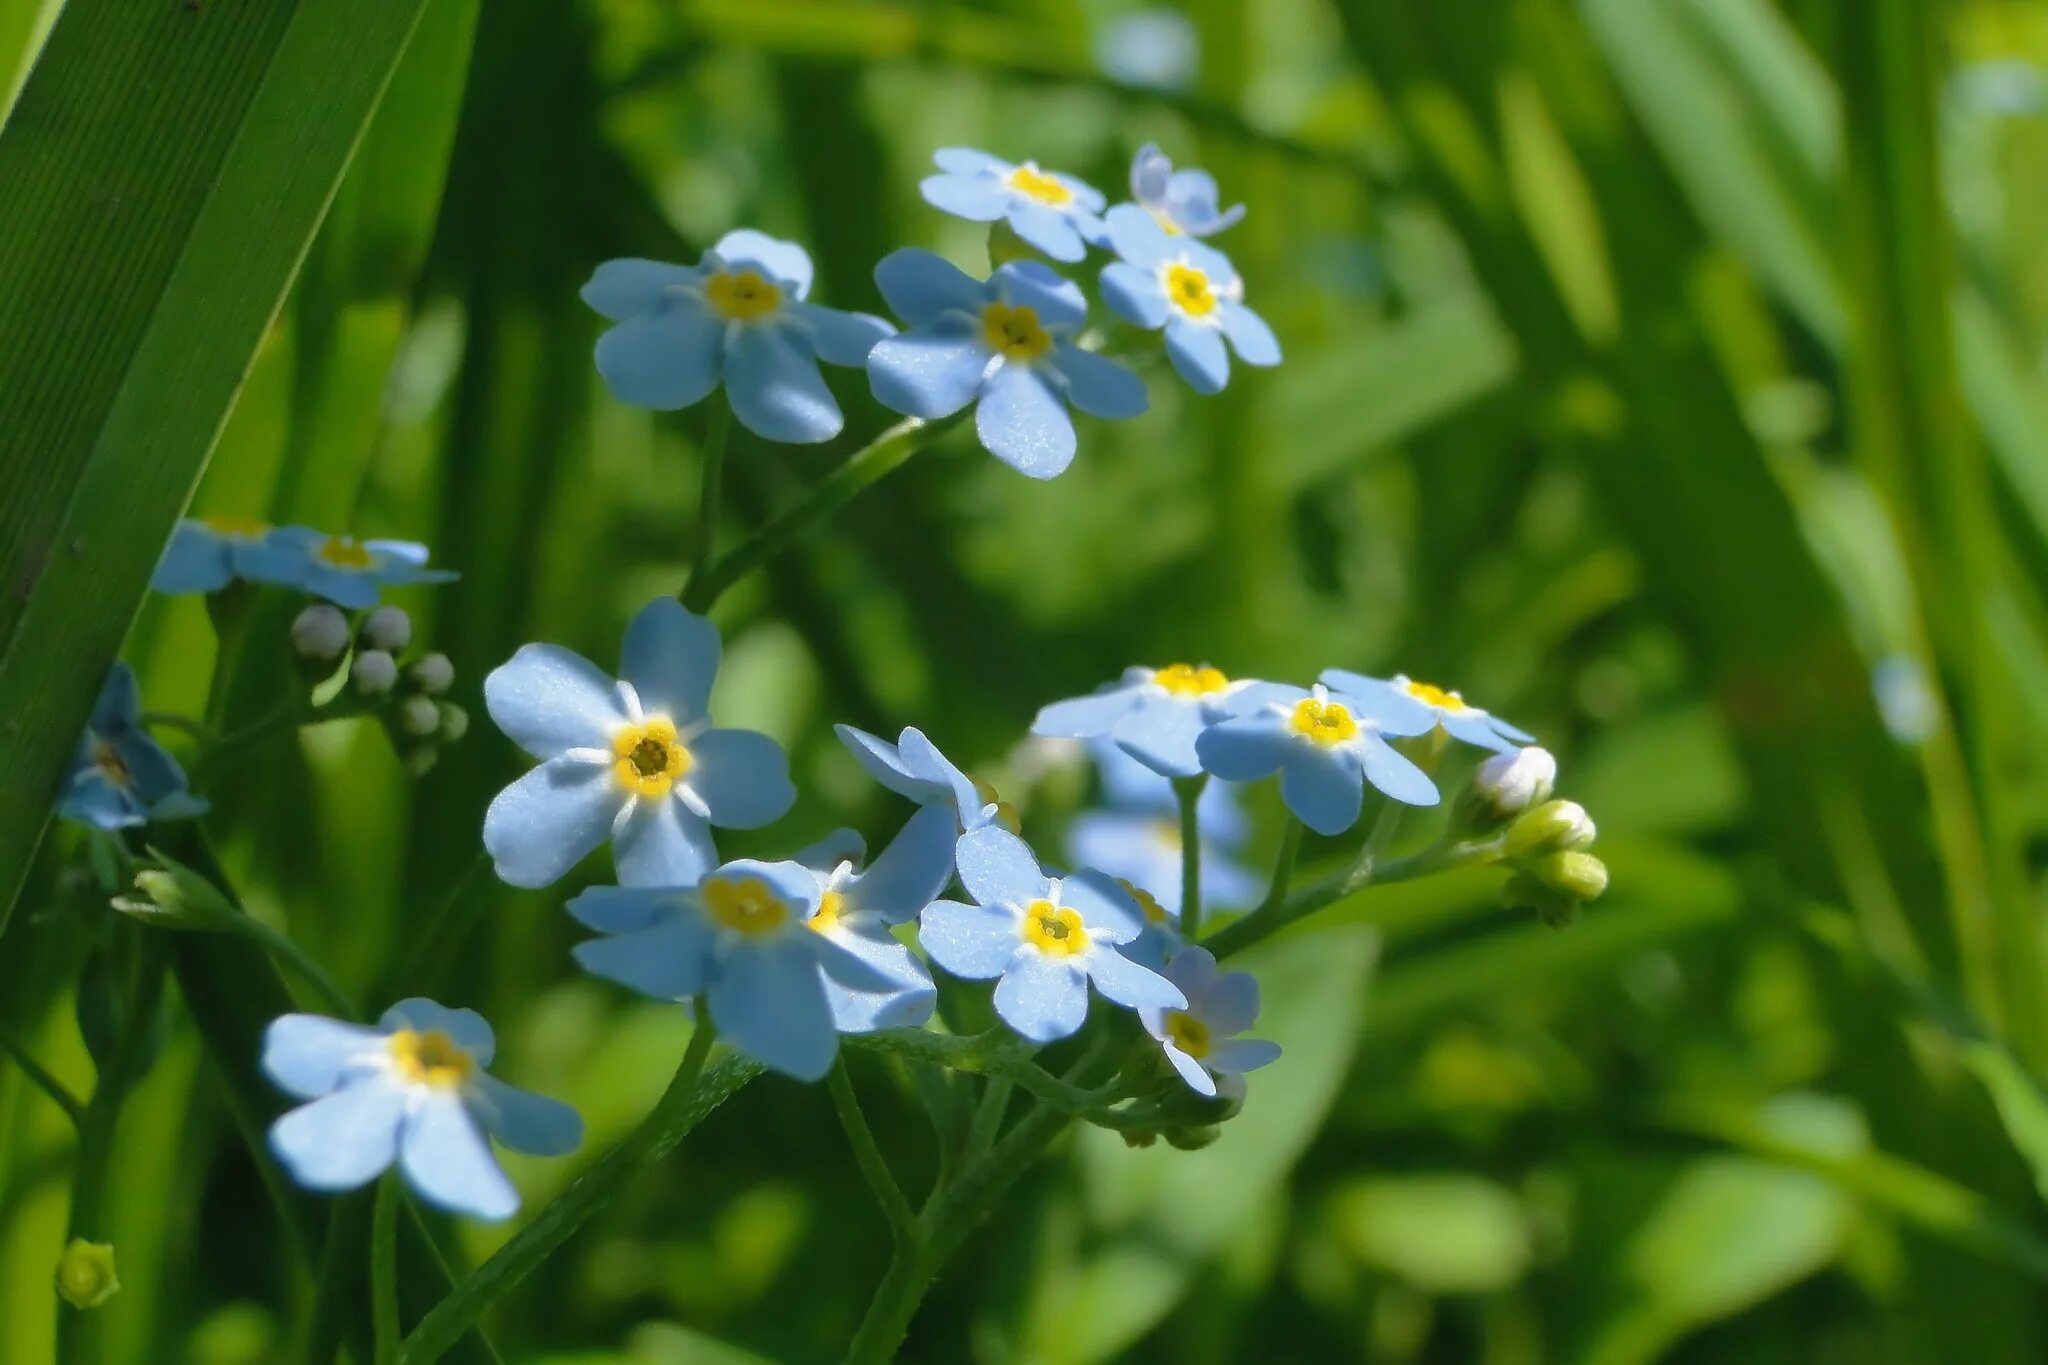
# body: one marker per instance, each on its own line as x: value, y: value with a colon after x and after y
x: 1135, y: 837
x: 1191, y: 290
x: 1326, y: 747
x: 1183, y: 203
x: 857, y: 908
x: 1004, y: 344
x: 412, y: 1090
x: 1199, y: 1039
x: 1046, y: 938
x: 119, y: 776
x: 346, y: 571
x: 205, y: 554
x: 634, y: 758
x: 741, y: 939
x: 1053, y: 212
x: 914, y: 767
x: 1154, y: 713
x: 739, y: 315
x: 1401, y: 694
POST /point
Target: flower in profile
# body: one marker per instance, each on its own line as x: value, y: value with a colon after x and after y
x: 633, y: 759
x: 1326, y: 746
x: 857, y: 908
x: 205, y: 554
x: 1183, y: 203
x: 1045, y: 938
x: 914, y: 767
x: 412, y: 1090
x: 346, y: 571
x: 1200, y: 1039
x: 1004, y: 344
x: 1191, y: 290
x: 1404, y: 696
x: 739, y: 938
x: 1053, y: 212
x: 120, y: 776
x: 1154, y: 713
x: 1135, y: 837
x: 739, y: 316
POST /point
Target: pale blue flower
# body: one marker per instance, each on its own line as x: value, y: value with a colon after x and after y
x: 1005, y: 345
x: 1157, y: 48
x: 1135, y: 837
x: 1200, y: 1039
x: 412, y: 1090
x: 346, y: 571
x: 1181, y: 202
x: 1046, y: 938
x: 1055, y: 213
x: 1191, y: 290
x: 856, y: 909
x: 738, y: 316
x: 1326, y: 746
x: 633, y: 759
x: 1402, y: 696
x: 205, y: 554
x: 914, y: 767
x: 740, y: 939
x: 120, y: 776
x: 1154, y: 713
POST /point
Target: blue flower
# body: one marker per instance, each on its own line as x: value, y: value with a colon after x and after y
x: 206, y: 554
x: 1136, y: 838
x: 914, y: 767
x: 1191, y: 290
x: 1004, y: 344
x: 1154, y: 713
x: 1149, y: 47
x: 120, y: 777
x: 634, y: 759
x: 1326, y: 747
x: 411, y: 1090
x: 1403, y: 696
x: 857, y: 909
x: 1053, y: 212
x: 346, y: 571
x: 1045, y: 937
x: 1181, y: 202
x: 740, y: 939
x: 1199, y: 1040
x: 739, y: 316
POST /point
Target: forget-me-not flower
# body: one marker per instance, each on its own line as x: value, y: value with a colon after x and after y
x: 346, y: 571
x: 1199, y: 1040
x: 1326, y: 747
x: 1154, y: 713
x: 1045, y: 937
x: 412, y: 1090
x: 1404, y: 696
x: 857, y: 908
x: 1055, y: 213
x: 1149, y: 47
x: 739, y: 315
x: 634, y: 759
x: 740, y: 939
x: 1004, y: 344
x: 120, y: 776
x: 1135, y: 837
x: 914, y: 767
x: 1181, y: 202
x: 205, y: 554
x: 1191, y: 290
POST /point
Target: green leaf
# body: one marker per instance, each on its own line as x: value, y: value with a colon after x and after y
x: 1444, y: 1233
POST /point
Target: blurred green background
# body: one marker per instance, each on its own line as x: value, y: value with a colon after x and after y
x: 1667, y: 374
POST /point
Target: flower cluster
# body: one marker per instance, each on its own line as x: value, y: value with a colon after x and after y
x: 208, y: 554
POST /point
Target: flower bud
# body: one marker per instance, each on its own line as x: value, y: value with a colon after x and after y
x: 418, y: 716
x: 419, y: 762
x: 375, y: 672
x: 1581, y: 876
x: 1554, y: 907
x: 1511, y: 783
x: 320, y: 633
x: 1192, y: 1139
x: 85, y: 1274
x: 1552, y: 825
x: 454, y: 722
x: 176, y: 897
x: 433, y: 674
x: 388, y: 629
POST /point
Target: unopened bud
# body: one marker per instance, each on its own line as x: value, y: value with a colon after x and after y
x: 454, y: 722
x: 374, y: 673
x: 433, y: 674
x: 1581, y: 876
x: 1512, y: 783
x: 419, y: 762
x: 1552, y: 825
x: 1192, y: 1139
x: 388, y: 629
x: 176, y: 897
x: 320, y: 632
x: 1554, y: 907
x: 419, y: 716
x: 85, y: 1274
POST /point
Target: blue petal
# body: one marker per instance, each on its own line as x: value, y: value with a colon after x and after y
x: 1125, y: 982
x: 1192, y: 198
x: 1137, y: 236
x: 912, y: 870
x: 922, y: 759
x: 1106, y: 908
x: 1511, y: 732
x: 1086, y: 717
x: 1396, y: 776
x: 524, y: 1121
x: 1193, y: 1072
x: 670, y: 961
x: 196, y: 560
x: 1087, y: 199
x: 1160, y: 732
x: 841, y: 338
x: 664, y: 360
x: 467, y: 1029
x: 1390, y: 706
x: 344, y: 1140
x: 907, y: 1003
x: 998, y: 868
x: 1042, y: 999
x: 1099, y: 386
x: 1151, y: 174
x: 351, y: 589
x: 971, y: 941
x: 1476, y: 728
x: 775, y: 388
x: 625, y: 909
x: 1245, y: 749
x: 971, y: 161
x: 118, y: 704
x: 1134, y: 295
x: 407, y: 552
x: 792, y: 881
x: 1052, y: 231
x: 785, y: 262
x: 978, y: 199
x: 447, y: 1158
x: 1125, y: 845
x: 1227, y: 884
x: 1235, y: 1056
x: 543, y: 824
x: 630, y: 286
x: 1058, y: 301
x: 306, y: 1055
x: 152, y: 773
x: 92, y: 800
x: 932, y: 372
x: 769, y: 1002
x: 742, y: 776
x: 1323, y: 787
x: 670, y: 655
x: 1249, y: 334
x: 1198, y: 355
x: 548, y: 700
x: 920, y: 286
x: 840, y: 846
x: 883, y: 761
x: 1023, y: 423
x: 662, y: 843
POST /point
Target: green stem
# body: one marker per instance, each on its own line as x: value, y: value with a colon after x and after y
x: 867, y: 1154
x: 862, y: 469
x: 1188, y: 791
x: 712, y: 456
x: 282, y: 949
x: 12, y: 1044
x: 1267, y: 921
x: 173, y: 721
x: 693, y: 1094
x: 1283, y: 869
x: 436, y: 945
x: 384, y: 1270
x: 988, y: 1116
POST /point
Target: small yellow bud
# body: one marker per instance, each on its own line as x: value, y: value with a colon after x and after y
x: 1581, y: 876
x: 1552, y: 825
x: 85, y: 1274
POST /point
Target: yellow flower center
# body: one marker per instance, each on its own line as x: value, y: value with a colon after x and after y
x: 237, y: 528
x: 1155, y: 913
x: 343, y: 553
x: 741, y: 295
x: 1014, y: 333
x: 1189, y: 291
x: 1429, y: 694
x: 431, y: 1058
x: 1033, y: 183
x: 1325, y: 722
x: 1006, y: 814
x: 106, y: 756
x: 746, y: 904
x: 827, y: 918
x: 646, y: 759
x: 1186, y: 680
x: 1188, y: 1033
x: 1055, y: 930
